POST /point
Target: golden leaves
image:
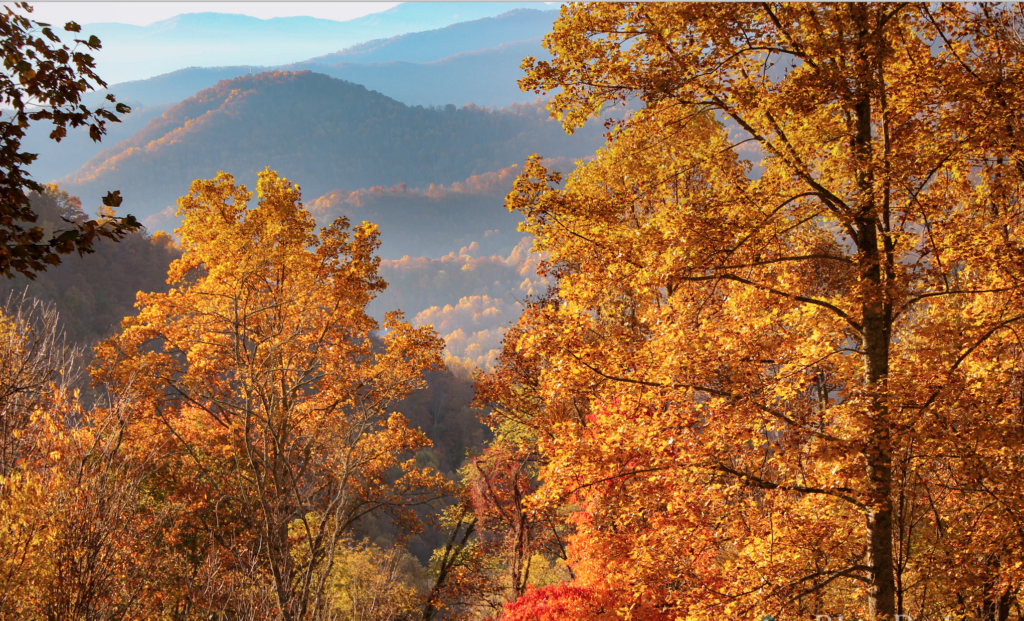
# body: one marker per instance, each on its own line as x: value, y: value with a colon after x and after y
x: 261, y: 376
x: 769, y: 358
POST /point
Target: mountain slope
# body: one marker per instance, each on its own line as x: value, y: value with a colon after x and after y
x: 172, y: 87
x: 439, y: 220
x: 323, y: 133
x: 484, y: 77
x: 431, y: 222
x: 58, y: 159
x: 498, y: 45
x: 431, y: 45
x: 216, y: 39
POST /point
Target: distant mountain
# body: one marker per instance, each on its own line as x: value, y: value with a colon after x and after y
x: 484, y: 77
x: 441, y: 219
x: 487, y: 77
x: 59, y: 159
x: 418, y: 16
x: 170, y: 88
x: 431, y: 45
x: 216, y: 39
x: 434, y: 221
x: 321, y: 132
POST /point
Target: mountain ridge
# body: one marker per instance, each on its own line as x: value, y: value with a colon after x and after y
x: 322, y: 132
x: 492, y: 35
x: 133, y: 52
x: 485, y: 77
x: 431, y: 45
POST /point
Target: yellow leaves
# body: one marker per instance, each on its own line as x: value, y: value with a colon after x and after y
x: 737, y: 311
x: 262, y: 361
x: 68, y: 514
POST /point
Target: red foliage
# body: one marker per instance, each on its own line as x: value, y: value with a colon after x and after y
x: 564, y: 602
x: 558, y: 602
x: 499, y: 485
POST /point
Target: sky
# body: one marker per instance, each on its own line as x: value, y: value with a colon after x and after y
x: 145, y: 13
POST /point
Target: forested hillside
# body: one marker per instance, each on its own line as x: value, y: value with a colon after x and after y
x: 471, y: 62
x: 93, y: 293
x: 330, y: 133
x: 173, y: 87
x: 435, y: 220
x: 470, y: 298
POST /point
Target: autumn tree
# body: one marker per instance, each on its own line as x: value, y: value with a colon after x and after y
x: 73, y: 517
x: 458, y: 568
x: 45, y: 80
x: 500, y: 544
x: 77, y: 527
x: 35, y: 358
x: 260, y: 370
x: 500, y: 483
x: 373, y: 584
x: 794, y: 384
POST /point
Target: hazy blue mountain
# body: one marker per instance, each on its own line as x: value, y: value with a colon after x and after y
x: 449, y: 68
x: 174, y: 86
x: 431, y: 45
x: 419, y: 224
x: 216, y: 39
x: 472, y: 80
x: 434, y: 221
x: 322, y: 132
x: 59, y: 159
x: 482, y: 77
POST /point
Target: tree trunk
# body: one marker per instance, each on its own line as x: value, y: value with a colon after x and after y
x: 876, y: 324
x: 995, y: 603
x: 882, y: 595
x: 877, y: 327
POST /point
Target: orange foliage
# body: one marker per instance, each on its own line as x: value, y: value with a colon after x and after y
x: 792, y: 388
x: 258, y: 375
